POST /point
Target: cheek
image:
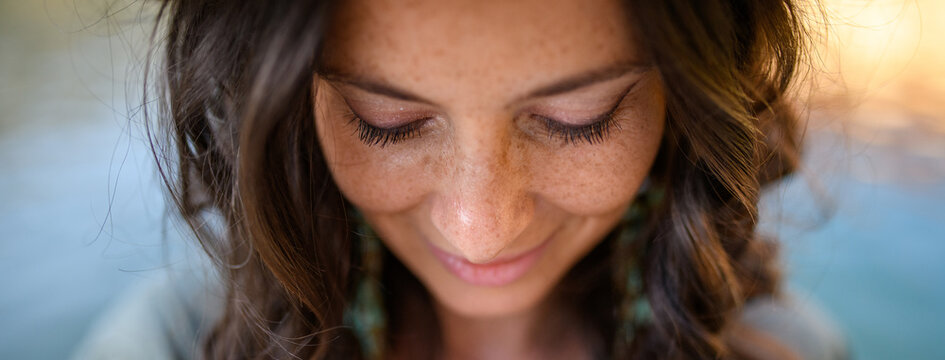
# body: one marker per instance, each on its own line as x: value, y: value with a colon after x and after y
x: 384, y: 180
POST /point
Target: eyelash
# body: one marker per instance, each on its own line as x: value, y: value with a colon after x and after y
x: 593, y: 133
x: 376, y: 136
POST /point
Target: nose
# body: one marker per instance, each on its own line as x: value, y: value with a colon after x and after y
x: 484, y: 203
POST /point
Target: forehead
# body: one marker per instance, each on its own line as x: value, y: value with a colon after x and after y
x: 446, y: 48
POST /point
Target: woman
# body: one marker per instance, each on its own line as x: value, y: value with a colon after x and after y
x: 485, y: 179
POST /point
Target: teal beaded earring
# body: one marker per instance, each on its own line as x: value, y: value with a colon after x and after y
x: 633, y: 310
x: 366, y: 314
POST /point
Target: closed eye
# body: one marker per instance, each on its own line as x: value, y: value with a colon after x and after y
x: 377, y: 136
x: 593, y: 133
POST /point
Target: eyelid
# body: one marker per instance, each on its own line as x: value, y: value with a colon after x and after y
x: 593, y: 130
x: 591, y: 133
x: 597, y: 118
x: 373, y: 135
x: 399, y: 118
x: 615, y: 103
x: 589, y: 122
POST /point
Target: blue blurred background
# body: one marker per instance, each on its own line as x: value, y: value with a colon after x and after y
x: 82, y: 215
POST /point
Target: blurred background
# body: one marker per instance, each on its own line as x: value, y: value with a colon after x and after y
x: 82, y: 215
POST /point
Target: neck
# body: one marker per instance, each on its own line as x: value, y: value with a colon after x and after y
x: 536, y: 333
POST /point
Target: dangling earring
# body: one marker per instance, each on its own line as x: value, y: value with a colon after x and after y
x: 633, y: 309
x: 366, y: 315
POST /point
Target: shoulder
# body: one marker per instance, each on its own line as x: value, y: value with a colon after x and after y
x: 797, y: 322
x: 160, y: 318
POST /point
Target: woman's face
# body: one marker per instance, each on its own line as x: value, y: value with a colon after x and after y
x: 491, y: 144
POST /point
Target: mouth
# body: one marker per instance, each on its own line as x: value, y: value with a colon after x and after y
x: 495, y: 273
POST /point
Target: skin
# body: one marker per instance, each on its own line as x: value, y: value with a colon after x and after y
x: 483, y: 179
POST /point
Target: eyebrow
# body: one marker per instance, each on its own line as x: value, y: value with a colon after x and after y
x: 565, y: 85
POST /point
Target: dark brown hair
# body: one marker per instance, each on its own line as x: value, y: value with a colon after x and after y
x: 236, y: 147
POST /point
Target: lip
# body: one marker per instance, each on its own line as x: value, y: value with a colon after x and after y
x: 494, y: 273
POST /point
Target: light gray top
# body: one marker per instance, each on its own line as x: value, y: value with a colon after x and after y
x: 159, y: 319
x: 164, y: 318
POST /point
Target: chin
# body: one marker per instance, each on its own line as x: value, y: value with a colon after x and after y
x: 490, y: 302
